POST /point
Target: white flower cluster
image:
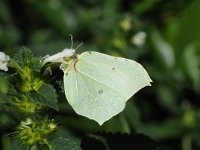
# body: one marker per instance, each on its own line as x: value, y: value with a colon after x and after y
x: 4, y: 59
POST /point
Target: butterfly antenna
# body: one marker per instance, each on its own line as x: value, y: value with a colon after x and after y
x: 71, y: 36
x: 79, y: 45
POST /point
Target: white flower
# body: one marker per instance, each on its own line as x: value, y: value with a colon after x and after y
x: 59, y: 57
x: 139, y: 38
x: 4, y: 61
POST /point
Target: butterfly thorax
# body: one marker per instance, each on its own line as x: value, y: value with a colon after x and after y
x: 70, y: 64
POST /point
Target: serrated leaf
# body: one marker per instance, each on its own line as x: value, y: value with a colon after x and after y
x: 111, y: 141
x: 4, y: 98
x: 59, y: 141
x: 63, y: 143
x: 25, y: 58
x: 92, y: 141
x: 46, y: 96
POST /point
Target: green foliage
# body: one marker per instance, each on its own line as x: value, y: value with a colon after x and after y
x: 45, y: 96
x: 24, y: 58
x: 63, y: 143
x: 4, y: 98
x: 109, y: 141
x: 31, y: 132
x: 191, y: 64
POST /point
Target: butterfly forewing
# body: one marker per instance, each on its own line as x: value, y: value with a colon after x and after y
x: 101, y: 84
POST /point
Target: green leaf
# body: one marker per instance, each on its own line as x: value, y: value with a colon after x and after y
x: 167, y: 98
x: 133, y: 114
x: 117, y: 124
x: 109, y: 141
x: 92, y: 141
x: 25, y: 58
x: 10, y: 143
x: 163, y: 50
x: 4, y: 86
x: 63, y: 143
x: 144, y: 6
x: 62, y: 139
x: 46, y: 95
x: 4, y: 98
x: 189, y: 23
x: 171, y: 128
x: 191, y: 64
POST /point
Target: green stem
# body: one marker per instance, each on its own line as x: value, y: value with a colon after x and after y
x: 47, y: 143
x: 186, y: 142
x: 124, y: 123
x: 14, y: 65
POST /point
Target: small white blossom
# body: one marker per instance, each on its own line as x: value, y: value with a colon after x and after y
x: 139, y: 38
x: 4, y: 61
x: 60, y: 56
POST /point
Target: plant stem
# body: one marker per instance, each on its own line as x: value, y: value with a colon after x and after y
x: 47, y: 143
x: 186, y: 142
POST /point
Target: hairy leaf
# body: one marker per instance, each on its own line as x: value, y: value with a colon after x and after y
x: 25, y: 58
x: 4, y: 98
x: 46, y: 96
x: 64, y: 143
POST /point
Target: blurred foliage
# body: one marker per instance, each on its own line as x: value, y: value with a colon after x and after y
x: 170, y: 51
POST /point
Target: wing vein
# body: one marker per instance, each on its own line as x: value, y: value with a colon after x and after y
x: 76, y: 85
x: 132, y: 61
x: 96, y: 80
x: 87, y: 94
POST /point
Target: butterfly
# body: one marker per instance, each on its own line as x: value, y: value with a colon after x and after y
x: 98, y: 85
